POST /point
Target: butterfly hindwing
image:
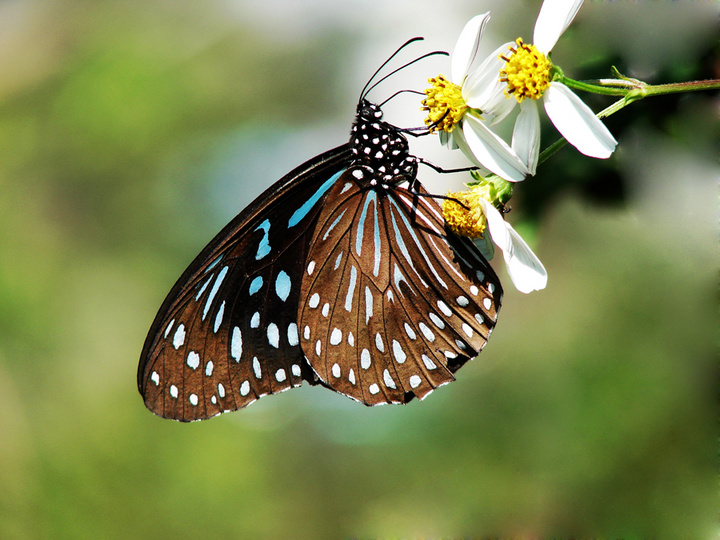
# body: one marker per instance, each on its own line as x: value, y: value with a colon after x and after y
x: 227, y: 332
x: 393, y: 304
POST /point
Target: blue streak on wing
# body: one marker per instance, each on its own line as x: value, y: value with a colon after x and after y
x: 371, y: 197
x: 332, y: 226
x: 303, y: 211
x: 376, y: 267
x: 403, y: 247
x: 264, y: 247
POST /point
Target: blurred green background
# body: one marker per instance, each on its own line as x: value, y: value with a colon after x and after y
x: 131, y: 132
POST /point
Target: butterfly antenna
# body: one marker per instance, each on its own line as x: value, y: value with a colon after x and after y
x: 367, y: 90
x: 381, y: 105
x: 385, y: 63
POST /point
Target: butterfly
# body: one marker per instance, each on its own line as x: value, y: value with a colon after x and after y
x: 342, y: 274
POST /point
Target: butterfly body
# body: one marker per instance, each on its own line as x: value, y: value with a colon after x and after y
x: 336, y: 275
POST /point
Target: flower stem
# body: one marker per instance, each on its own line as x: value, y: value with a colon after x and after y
x: 630, y: 90
x: 633, y: 89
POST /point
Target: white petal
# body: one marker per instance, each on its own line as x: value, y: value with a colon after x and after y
x: 466, y: 49
x: 577, y: 123
x: 485, y: 246
x: 488, y: 150
x: 448, y: 139
x: 526, y: 134
x: 483, y: 83
x: 524, y: 268
x: 554, y: 18
x: 497, y: 226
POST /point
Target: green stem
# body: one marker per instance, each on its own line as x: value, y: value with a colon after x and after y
x: 630, y: 90
x: 635, y: 89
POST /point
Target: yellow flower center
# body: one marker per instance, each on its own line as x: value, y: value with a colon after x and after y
x: 468, y: 220
x: 444, y: 103
x: 526, y: 72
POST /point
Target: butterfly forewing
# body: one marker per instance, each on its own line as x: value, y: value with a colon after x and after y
x: 227, y: 333
x: 393, y: 304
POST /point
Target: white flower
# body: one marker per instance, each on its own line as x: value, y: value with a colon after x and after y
x: 472, y: 214
x: 527, y: 75
x: 462, y: 107
x: 524, y: 268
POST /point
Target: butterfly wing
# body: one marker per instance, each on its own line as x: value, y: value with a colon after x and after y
x: 393, y: 303
x: 227, y: 331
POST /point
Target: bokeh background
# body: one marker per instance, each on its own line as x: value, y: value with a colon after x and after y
x: 131, y: 132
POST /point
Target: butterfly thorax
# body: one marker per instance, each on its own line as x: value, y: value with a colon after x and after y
x: 381, y: 154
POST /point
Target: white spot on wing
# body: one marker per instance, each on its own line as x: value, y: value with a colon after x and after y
x: 365, y: 359
x: 193, y: 399
x: 219, y: 317
x: 236, y: 344
x: 387, y: 379
x: 256, y: 367
x: 368, y: 304
x: 444, y: 308
x: 255, y: 320
x: 487, y: 303
x: 292, y: 334
x: 467, y: 329
x: 221, y: 390
x: 379, y: 343
x: 173, y: 391
x: 273, y: 335
x: 351, y: 377
x: 179, y: 337
x: 428, y: 362
x: 399, y: 354
x: 336, y: 336
x: 155, y: 377
x: 208, y: 368
x: 415, y: 381
x: 427, y: 332
x: 374, y: 389
x: 314, y: 301
x: 335, y: 370
x: 409, y: 331
x: 193, y: 360
x: 245, y: 388
x: 169, y: 327
x: 280, y: 375
x: 351, y: 289
x: 437, y: 321
x: 295, y: 370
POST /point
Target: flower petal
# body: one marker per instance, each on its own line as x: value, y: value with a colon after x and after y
x: 524, y: 268
x: 483, y: 83
x: 466, y: 49
x: 577, y: 123
x: 554, y: 18
x: 526, y: 134
x: 447, y: 139
x: 488, y: 150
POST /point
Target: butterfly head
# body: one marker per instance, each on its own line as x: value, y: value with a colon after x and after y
x: 379, y: 149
